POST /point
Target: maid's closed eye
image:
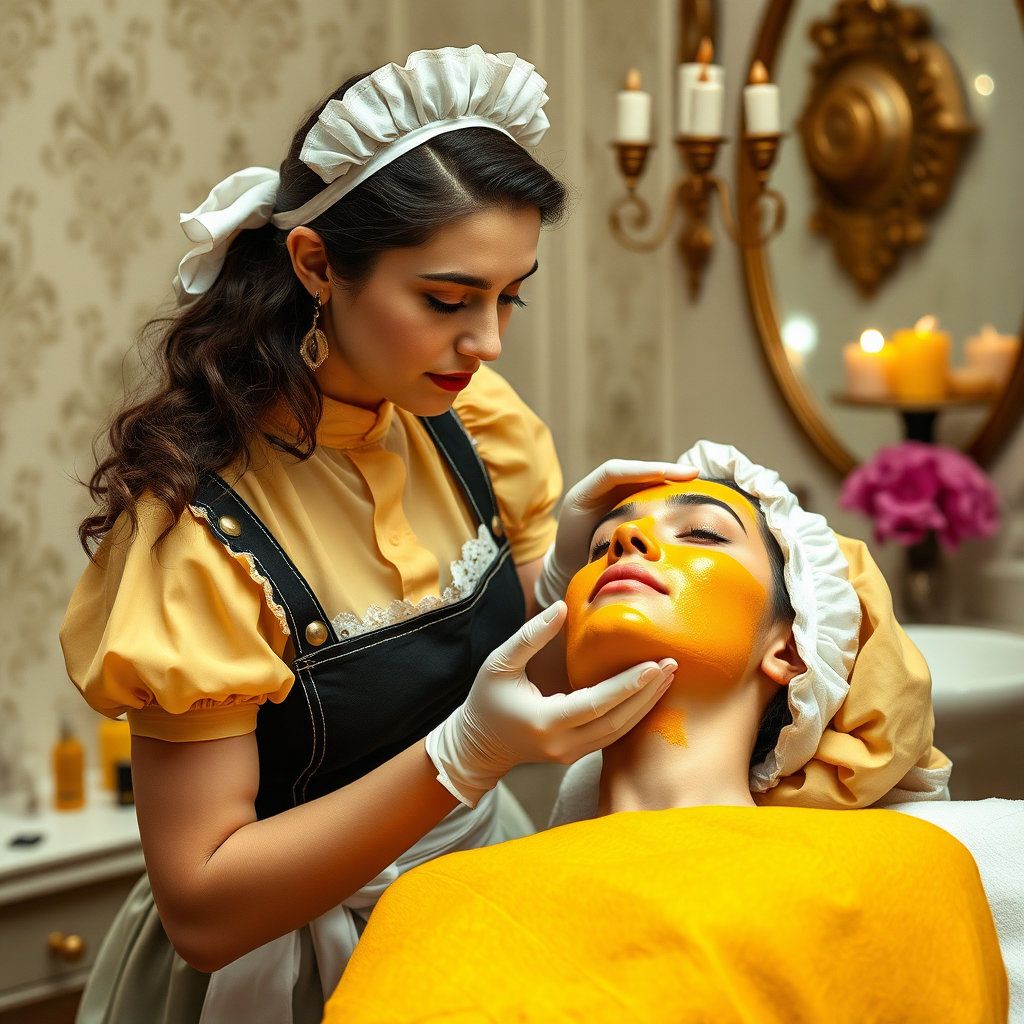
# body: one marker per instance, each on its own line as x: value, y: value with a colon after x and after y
x: 443, y: 307
x: 453, y: 307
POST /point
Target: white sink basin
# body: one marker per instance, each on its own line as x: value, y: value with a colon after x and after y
x: 974, y: 671
x: 978, y: 696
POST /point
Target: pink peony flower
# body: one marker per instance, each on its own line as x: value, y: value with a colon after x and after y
x: 912, y: 488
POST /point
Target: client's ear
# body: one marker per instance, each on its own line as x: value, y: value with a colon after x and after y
x: 781, y: 662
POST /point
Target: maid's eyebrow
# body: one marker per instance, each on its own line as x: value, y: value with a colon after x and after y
x: 471, y: 281
x: 704, y: 499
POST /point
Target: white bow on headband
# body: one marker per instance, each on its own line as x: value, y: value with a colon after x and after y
x: 381, y: 117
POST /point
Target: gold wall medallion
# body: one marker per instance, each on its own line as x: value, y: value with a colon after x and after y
x: 884, y: 130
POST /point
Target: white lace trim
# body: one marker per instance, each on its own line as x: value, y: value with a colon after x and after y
x: 268, y: 590
x: 477, y: 555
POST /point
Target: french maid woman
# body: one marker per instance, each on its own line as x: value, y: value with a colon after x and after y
x: 317, y: 538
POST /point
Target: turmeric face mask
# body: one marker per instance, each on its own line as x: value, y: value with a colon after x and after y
x: 679, y: 571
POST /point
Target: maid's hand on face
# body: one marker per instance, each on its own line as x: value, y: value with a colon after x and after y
x: 583, y: 509
x: 507, y: 721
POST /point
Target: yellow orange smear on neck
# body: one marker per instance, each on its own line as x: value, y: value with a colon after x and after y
x: 669, y: 723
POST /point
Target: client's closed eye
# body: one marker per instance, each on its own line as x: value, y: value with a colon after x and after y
x: 600, y: 549
x: 703, y: 535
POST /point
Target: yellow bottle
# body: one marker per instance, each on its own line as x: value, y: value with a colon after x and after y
x: 68, y: 771
x: 115, y: 745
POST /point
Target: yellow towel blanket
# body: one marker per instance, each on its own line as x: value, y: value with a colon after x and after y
x: 707, y: 914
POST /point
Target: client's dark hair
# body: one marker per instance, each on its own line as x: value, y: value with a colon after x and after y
x: 776, y: 713
x: 233, y: 355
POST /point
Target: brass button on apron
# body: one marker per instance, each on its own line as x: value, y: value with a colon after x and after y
x: 316, y: 632
x: 69, y: 948
x: 497, y: 526
x: 229, y: 525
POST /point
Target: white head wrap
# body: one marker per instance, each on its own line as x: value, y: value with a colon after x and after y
x: 827, y: 623
x: 379, y: 119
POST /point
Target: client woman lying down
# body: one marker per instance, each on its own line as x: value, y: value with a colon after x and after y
x: 699, y: 905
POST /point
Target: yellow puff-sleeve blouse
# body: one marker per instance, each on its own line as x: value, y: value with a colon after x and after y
x: 185, y: 636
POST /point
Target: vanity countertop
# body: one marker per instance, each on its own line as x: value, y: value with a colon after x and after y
x: 75, y: 848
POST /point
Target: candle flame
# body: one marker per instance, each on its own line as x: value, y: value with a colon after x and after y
x: 758, y: 73
x: 706, y: 51
x: 872, y: 341
x: 926, y: 325
x: 633, y: 79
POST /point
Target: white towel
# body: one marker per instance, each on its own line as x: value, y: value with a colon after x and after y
x: 993, y: 830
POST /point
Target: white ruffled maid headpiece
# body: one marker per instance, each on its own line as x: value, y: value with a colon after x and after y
x: 381, y: 117
x: 827, y: 622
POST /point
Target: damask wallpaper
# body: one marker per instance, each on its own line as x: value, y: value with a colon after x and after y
x: 116, y: 115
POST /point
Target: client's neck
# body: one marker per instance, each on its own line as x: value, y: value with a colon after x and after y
x: 691, y: 750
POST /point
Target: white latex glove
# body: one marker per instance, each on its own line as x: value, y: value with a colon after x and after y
x: 507, y: 721
x: 583, y: 507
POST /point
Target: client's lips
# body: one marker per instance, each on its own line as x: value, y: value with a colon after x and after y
x: 451, y: 381
x: 628, y: 571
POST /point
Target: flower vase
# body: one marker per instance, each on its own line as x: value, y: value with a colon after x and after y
x: 925, y: 583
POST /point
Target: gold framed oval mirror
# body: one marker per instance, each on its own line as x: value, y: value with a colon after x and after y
x: 896, y: 211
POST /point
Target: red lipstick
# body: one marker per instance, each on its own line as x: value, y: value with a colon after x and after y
x: 451, y: 381
x: 627, y: 573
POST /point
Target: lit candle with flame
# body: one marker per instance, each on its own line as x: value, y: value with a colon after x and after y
x: 921, y: 368
x: 634, y: 111
x: 690, y: 73
x: 761, y: 102
x: 868, y: 365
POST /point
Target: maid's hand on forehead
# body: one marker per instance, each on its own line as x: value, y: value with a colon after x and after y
x: 583, y: 508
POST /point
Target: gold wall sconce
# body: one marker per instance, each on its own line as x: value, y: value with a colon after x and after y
x: 883, y: 130
x: 698, y: 143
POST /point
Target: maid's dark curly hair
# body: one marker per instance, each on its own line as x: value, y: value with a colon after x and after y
x: 226, y: 360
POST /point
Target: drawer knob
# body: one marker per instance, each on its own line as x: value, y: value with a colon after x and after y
x: 69, y: 948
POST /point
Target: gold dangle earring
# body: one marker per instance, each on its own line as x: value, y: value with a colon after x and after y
x: 313, y: 348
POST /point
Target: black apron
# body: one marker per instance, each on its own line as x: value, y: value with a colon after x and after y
x: 359, y: 701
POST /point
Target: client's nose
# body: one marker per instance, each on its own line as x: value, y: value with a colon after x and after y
x: 634, y: 539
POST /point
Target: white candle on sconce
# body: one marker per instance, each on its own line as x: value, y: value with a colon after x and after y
x: 707, y: 100
x: 689, y: 73
x: 868, y: 364
x: 761, y: 103
x: 633, y: 123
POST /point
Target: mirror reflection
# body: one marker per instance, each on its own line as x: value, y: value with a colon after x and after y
x: 873, y: 308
